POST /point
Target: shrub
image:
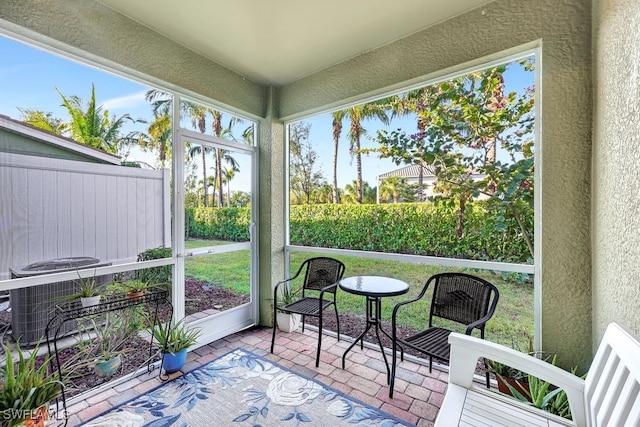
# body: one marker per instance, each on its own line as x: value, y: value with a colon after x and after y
x: 407, y: 228
x: 155, y: 274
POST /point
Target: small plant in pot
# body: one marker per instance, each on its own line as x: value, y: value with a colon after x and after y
x: 135, y: 288
x: 173, y: 343
x: 89, y: 291
x: 27, y: 389
x: 509, y: 378
x: 86, y: 289
x: 102, y: 343
x: 287, y: 322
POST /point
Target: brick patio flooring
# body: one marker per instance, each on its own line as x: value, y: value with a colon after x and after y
x: 417, y: 396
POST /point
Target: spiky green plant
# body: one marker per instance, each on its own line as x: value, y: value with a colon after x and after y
x: 174, y: 339
x: 26, y: 387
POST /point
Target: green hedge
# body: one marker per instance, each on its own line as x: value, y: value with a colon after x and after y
x: 408, y: 228
x: 231, y: 224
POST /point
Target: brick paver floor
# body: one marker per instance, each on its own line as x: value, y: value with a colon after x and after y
x: 417, y: 396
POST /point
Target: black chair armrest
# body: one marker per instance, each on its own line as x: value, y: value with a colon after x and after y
x: 400, y: 304
x: 477, y: 323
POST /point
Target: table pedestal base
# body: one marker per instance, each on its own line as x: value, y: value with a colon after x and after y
x: 374, y: 312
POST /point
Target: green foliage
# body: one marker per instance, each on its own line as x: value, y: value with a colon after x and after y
x: 26, y: 386
x: 287, y: 294
x: 135, y: 285
x: 422, y: 229
x: 543, y: 395
x: 106, y: 339
x: 229, y: 224
x: 174, y: 339
x: 86, y: 288
x: 463, y: 124
x: 155, y: 274
x: 408, y: 228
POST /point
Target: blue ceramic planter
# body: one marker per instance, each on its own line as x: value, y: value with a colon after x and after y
x: 173, y: 362
x: 108, y: 368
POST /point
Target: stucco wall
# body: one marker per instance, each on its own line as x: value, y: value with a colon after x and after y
x: 563, y: 30
x: 616, y: 165
x: 561, y: 27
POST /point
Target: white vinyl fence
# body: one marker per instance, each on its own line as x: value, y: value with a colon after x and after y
x: 52, y: 208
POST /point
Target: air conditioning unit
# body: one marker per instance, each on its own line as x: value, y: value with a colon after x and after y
x: 32, y: 307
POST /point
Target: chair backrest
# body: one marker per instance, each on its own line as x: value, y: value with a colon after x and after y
x: 322, y: 272
x: 612, y: 385
x: 462, y: 298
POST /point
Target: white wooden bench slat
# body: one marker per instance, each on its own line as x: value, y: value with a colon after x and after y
x: 634, y: 413
x: 604, y: 369
x: 616, y: 382
x: 609, y: 397
x: 492, y: 412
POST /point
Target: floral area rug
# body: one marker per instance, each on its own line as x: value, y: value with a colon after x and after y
x: 243, y: 389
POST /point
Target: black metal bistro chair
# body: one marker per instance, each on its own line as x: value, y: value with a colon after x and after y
x: 321, y: 276
x: 458, y: 297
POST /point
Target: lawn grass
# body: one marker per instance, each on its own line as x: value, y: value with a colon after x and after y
x: 229, y: 270
x: 511, y: 324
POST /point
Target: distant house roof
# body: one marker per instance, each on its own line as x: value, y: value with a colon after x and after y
x: 55, y: 141
x: 410, y: 171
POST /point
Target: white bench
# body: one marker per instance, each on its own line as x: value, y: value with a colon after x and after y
x: 608, y: 397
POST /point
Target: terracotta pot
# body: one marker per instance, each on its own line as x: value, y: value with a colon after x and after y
x: 135, y: 295
x: 38, y: 418
x: 521, y: 386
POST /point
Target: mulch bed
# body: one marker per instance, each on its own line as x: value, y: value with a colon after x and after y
x: 201, y: 295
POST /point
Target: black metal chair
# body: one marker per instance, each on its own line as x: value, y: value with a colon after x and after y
x: 321, y: 277
x: 458, y: 297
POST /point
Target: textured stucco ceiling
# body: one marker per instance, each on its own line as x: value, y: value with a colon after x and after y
x: 280, y: 41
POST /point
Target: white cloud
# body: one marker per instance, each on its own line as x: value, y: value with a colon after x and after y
x: 125, y: 102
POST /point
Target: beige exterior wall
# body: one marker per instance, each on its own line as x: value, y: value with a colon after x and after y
x: 561, y: 28
x: 616, y: 165
x: 563, y: 31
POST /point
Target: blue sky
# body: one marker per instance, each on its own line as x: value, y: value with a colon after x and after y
x: 29, y: 77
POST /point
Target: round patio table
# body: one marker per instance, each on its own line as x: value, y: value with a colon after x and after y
x: 374, y: 288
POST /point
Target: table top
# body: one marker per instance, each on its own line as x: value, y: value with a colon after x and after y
x: 373, y: 286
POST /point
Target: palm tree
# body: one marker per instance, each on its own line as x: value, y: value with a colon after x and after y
x: 227, y: 175
x: 395, y: 188
x: 42, y: 120
x: 198, y: 114
x: 324, y: 194
x: 338, y: 116
x: 93, y: 126
x: 357, y: 114
x: 414, y: 102
x: 351, y: 193
x: 226, y: 133
x: 159, y: 132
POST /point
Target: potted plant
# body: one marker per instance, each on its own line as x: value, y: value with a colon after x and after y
x: 27, y: 389
x: 89, y: 292
x: 287, y: 322
x: 86, y: 289
x: 544, y: 395
x: 514, y: 382
x: 135, y: 288
x: 102, y: 344
x: 509, y: 378
x: 173, y: 343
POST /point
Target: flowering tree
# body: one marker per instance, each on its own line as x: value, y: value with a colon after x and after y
x: 467, y: 121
